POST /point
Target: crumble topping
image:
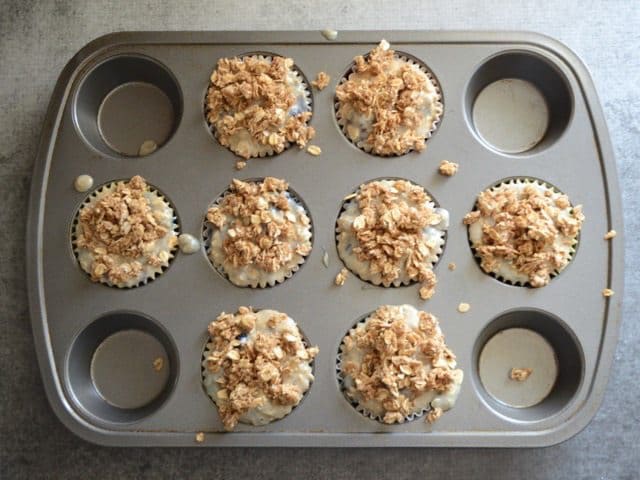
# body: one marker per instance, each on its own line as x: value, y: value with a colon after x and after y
x: 447, y: 168
x: 391, y: 233
x: 125, y: 234
x: 396, y: 364
x: 256, y: 366
x: 258, y: 105
x: 321, y: 81
x: 342, y: 277
x: 261, y: 234
x: 524, y: 231
x: 520, y: 374
x: 388, y: 105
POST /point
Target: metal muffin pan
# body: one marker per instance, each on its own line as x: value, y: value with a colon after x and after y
x: 71, y: 316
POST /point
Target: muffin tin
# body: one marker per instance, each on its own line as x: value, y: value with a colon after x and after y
x: 84, y: 330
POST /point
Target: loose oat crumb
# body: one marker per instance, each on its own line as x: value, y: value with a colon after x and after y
x: 610, y: 234
x: 200, y: 437
x: 607, y: 292
x: 158, y: 364
x: 314, y: 150
x: 464, y: 307
x: 433, y: 415
x: 520, y: 374
x: 447, y: 168
x: 325, y: 259
x: 240, y: 164
x: 147, y: 148
x: 321, y: 81
x: 451, y: 266
x: 342, y: 277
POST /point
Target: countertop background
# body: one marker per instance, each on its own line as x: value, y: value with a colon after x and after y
x: 38, y: 38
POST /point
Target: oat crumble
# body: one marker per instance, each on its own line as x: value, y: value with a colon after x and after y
x: 253, y: 105
x: 520, y: 374
x: 397, y: 364
x: 200, y: 437
x: 451, y: 266
x: 524, y: 232
x: 341, y: 278
x: 391, y: 233
x: 387, y: 105
x: 158, y: 364
x: 256, y: 366
x: 447, y: 168
x: 260, y: 233
x: 321, y: 81
x: 125, y: 234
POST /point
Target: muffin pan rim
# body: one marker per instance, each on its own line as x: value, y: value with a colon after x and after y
x: 36, y: 224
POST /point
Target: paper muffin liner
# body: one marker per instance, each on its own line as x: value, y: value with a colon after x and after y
x: 359, y: 408
x: 304, y: 103
x: 206, y: 349
x: 436, y: 256
x: 151, y: 272
x: 282, y: 276
x: 513, y: 181
x: 362, y: 143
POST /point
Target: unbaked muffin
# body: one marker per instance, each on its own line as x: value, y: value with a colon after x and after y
x: 256, y: 366
x: 391, y: 233
x: 524, y: 231
x: 126, y: 233
x: 388, y: 105
x: 258, y: 105
x: 259, y: 233
x: 395, y: 366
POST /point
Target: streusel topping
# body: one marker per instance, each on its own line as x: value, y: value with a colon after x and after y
x: 258, y: 105
x: 257, y: 367
x: 388, y: 104
x: 125, y: 233
x: 396, y: 364
x: 524, y: 231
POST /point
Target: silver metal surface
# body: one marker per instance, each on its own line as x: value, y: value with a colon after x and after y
x: 191, y: 169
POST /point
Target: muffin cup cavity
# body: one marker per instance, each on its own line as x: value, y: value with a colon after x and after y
x: 129, y: 105
x: 121, y: 368
x: 360, y: 142
x: 553, y: 356
x: 278, y: 277
x: 304, y: 103
x: 518, y: 103
x: 152, y: 272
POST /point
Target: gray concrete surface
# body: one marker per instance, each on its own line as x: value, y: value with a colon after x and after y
x: 37, y: 39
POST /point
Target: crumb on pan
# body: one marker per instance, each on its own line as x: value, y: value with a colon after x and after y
x: 607, y: 292
x: 520, y: 374
x: 464, y: 307
x: 451, y: 266
x: 321, y: 81
x: 240, y: 164
x: 158, y: 364
x: 314, y: 150
x: 433, y: 415
x: 447, y: 168
x: 342, y: 277
x: 200, y: 437
x: 610, y: 234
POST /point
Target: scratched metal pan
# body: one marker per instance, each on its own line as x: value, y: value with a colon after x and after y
x: 90, y: 338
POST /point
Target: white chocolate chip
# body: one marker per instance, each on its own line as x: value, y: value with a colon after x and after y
x: 188, y: 243
x: 464, y: 307
x: 610, y: 234
x: 329, y: 34
x: 147, y: 147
